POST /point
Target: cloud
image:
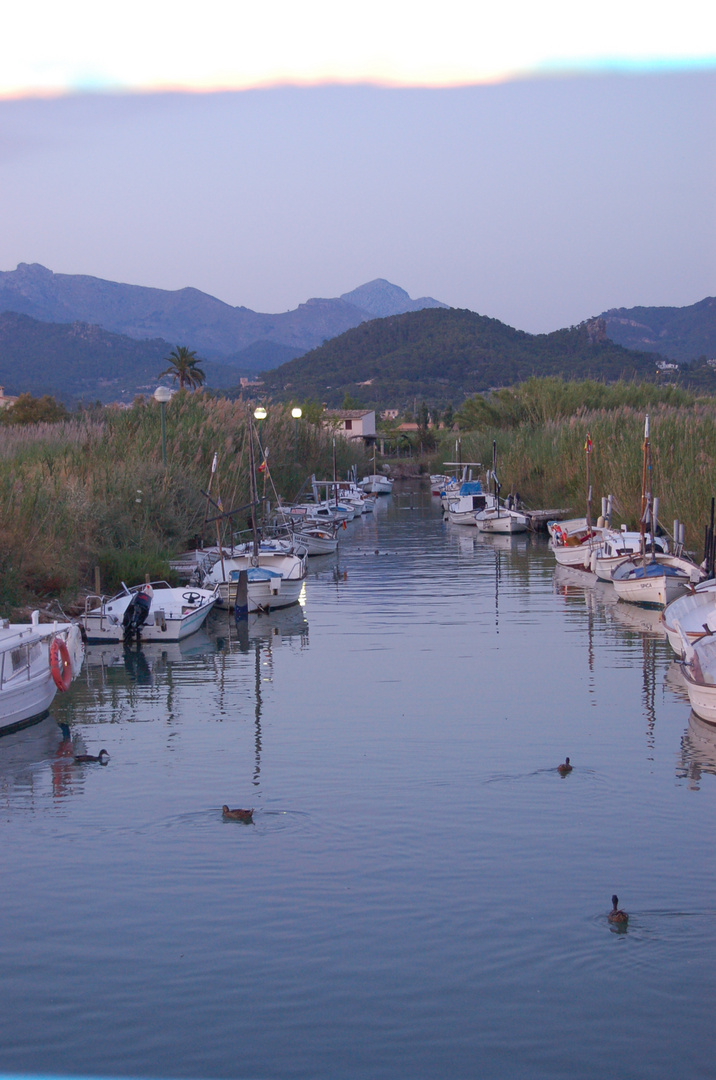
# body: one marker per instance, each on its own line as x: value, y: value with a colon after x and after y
x: 152, y: 45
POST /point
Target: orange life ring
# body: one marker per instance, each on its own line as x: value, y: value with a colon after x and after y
x: 60, y: 664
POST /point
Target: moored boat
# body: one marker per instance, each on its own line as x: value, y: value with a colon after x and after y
x: 691, y: 617
x: 656, y: 580
x: 699, y: 670
x: 170, y: 614
x: 36, y: 661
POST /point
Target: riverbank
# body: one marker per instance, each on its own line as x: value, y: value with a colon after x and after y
x: 93, y: 491
x: 545, y: 461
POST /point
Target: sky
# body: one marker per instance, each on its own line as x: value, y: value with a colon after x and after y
x: 535, y: 163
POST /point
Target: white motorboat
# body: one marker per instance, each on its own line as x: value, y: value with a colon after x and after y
x: 169, y: 615
x: 469, y: 501
x: 36, y: 660
x: 654, y: 580
x: 691, y: 617
x: 500, y: 520
x: 275, y: 579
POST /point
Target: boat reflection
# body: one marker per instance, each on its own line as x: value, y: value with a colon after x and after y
x: 24, y: 759
x: 640, y: 619
x: 698, y: 752
x: 674, y: 681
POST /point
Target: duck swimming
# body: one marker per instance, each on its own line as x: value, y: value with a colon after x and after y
x: 101, y: 758
x: 615, y: 915
x: 564, y: 768
x: 238, y: 815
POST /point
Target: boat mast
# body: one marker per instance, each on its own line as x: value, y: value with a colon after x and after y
x: 252, y: 484
x: 645, y: 488
x: 588, y: 451
x: 335, y: 475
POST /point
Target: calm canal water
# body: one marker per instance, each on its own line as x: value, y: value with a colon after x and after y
x: 422, y: 894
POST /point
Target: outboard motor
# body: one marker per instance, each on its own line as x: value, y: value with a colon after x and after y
x: 136, y: 612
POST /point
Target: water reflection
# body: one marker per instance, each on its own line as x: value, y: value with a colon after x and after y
x: 698, y: 752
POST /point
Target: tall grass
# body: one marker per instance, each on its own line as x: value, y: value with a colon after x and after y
x: 546, y: 462
x: 92, y: 491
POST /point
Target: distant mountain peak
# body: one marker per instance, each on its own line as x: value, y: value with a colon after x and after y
x: 381, y: 298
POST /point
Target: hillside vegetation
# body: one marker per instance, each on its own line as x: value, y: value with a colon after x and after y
x: 445, y: 356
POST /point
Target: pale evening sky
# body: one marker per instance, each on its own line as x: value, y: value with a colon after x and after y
x: 537, y: 164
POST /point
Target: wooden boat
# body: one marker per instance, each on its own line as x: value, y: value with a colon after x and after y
x: 650, y: 578
x: 618, y: 545
x: 654, y: 581
x: 691, y: 617
x: 499, y: 520
x: 699, y: 669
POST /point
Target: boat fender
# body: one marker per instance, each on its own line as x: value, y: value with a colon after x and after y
x: 344, y: 524
x: 60, y: 664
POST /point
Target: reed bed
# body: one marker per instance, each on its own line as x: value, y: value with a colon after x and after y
x: 94, y: 492
x: 546, y: 462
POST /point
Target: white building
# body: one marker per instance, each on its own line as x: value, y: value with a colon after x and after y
x: 351, y: 423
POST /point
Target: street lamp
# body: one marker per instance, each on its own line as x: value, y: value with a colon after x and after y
x: 260, y: 413
x: 296, y: 413
x: 163, y: 394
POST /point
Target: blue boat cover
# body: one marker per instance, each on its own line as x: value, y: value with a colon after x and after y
x: 255, y: 573
x: 655, y: 569
x: 471, y: 487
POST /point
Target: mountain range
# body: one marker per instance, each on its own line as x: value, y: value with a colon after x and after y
x: 682, y: 334
x: 245, y: 339
x: 77, y: 336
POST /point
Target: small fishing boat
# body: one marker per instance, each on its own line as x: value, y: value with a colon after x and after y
x: 499, y: 520
x: 691, y: 617
x: 376, y: 484
x: 170, y: 614
x: 617, y: 546
x: 36, y: 661
x: 275, y: 579
x: 654, y: 581
x: 650, y: 578
x: 318, y: 540
x: 699, y: 670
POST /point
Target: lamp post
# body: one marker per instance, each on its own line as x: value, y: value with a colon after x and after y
x: 163, y: 394
x: 296, y: 413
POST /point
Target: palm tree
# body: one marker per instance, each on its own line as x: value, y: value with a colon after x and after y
x: 183, y: 366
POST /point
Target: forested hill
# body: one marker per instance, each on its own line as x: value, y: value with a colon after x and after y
x: 446, y: 355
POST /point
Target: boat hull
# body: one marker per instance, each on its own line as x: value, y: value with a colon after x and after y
x: 502, y: 523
